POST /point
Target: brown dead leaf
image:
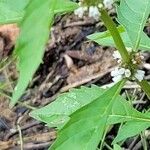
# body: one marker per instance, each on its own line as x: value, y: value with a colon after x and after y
x: 6, y: 145
x: 10, y: 31
x: 82, y: 55
x: 8, y: 35
x: 88, y: 71
x: 38, y: 138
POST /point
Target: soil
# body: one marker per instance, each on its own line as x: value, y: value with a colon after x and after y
x: 70, y: 61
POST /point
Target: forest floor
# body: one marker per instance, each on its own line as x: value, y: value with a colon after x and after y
x: 70, y: 60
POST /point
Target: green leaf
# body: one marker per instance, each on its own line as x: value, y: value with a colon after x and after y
x: 105, y: 38
x: 32, y: 40
x: 135, y: 121
x: 132, y: 14
x: 87, y: 125
x: 122, y: 111
x: 117, y: 147
x: 31, y: 43
x: 145, y: 87
x: 57, y: 113
x: 132, y: 128
x: 65, y: 6
x: 12, y: 11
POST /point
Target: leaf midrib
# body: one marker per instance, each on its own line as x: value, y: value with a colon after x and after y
x: 141, y: 26
x: 130, y: 117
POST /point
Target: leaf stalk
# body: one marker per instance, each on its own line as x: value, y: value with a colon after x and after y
x: 110, y: 25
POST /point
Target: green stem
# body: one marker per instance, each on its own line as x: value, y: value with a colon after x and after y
x: 110, y: 25
x: 145, y: 87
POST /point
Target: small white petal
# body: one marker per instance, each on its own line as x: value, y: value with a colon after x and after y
x: 140, y: 78
x: 140, y: 75
x: 117, y: 78
x: 94, y: 12
x: 115, y: 72
x: 119, y: 61
x: 141, y: 72
x: 121, y: 71
x: 91, y: 11
x: 108, y: 3
x: 116, y: 55
x: 79, y: 12
x: 127, y: 73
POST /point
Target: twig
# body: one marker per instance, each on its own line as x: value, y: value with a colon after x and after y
x: 80, y: 23
x: 20, y: 137
x: 137, y: 146
x: 76, y: 84
x: 25, y: 127
x: 20, y: 132
x: 133, y: 142
x: 144, y: 142
x: 31, y: 146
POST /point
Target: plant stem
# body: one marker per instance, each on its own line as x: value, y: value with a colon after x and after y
x: 110, y: 25
x: 145, y: 87
x: 20, y: 137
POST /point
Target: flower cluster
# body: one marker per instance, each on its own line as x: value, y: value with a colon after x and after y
x: 80, y: 11
x: 139, y: 75
x: 120, y: 73
x: 117, y: 56
x: 124, y: 72
x: 93, y: 11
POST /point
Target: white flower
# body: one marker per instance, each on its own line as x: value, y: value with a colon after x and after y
x: 116, y: 55
x: 79, y: 12
x: 94, y: 12
x: 108, y: 3
x: 117, y: 78
x: 139, y: 75
x: 117, y: 74
x: 120, y: 73
x: 127, y: 73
